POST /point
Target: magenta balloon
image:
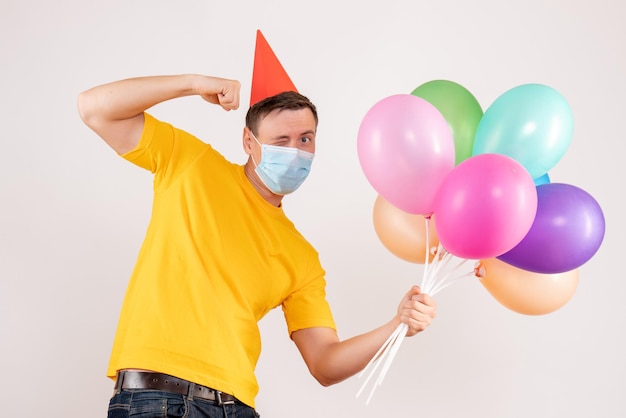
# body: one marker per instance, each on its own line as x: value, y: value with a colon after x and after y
x: 567, y: 231
x: 485, y: 206
x: 406, y: 149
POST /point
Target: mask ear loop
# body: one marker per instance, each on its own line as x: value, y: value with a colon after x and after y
x: 254, y: 162
x: 260, y: 145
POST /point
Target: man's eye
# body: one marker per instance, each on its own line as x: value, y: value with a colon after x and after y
x: 305, y: 139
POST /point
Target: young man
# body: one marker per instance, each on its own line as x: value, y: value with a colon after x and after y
x: 220, y: 253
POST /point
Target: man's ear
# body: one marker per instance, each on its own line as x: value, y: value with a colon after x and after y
x: 247, y: 140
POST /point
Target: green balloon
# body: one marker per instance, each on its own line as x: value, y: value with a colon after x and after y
x: 460, y: 109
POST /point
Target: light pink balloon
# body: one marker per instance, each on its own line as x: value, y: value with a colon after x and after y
x: 485, y: 206
x: 406, y: 149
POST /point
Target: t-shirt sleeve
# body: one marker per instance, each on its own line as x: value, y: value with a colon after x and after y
x: 164, y: 150
x: 307, y: 307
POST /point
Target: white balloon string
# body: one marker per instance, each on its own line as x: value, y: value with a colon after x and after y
x: 444, y: 277
x: 380, y: 350
x: 369, y: 377
x: 428, y: 269
x: 429, y: 272
x: 386, y: 359
x: 459, y: 264
x: 392, y: 353
x: 442, y: 286
x: 442, y: 258
x: 427, y: 255
x: 380, y: 356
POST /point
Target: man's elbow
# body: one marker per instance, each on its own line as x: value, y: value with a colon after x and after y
x: 85, y: 108
x: 326, y: 379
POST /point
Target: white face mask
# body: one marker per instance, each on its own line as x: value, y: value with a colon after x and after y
x: 282, y: 169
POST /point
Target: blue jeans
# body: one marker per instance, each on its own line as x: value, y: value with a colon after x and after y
x: 146, y: 403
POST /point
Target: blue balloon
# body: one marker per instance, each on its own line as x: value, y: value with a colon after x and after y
x: 545, y: 179
x: 531, y: 123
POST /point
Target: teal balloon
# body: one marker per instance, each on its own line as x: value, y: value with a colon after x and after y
x: 531, y: 123
x: 459, y: 108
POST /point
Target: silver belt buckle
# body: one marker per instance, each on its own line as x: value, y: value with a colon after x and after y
x: 220, y: 401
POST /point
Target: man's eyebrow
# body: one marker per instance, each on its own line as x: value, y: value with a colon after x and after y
x: 309, y: 132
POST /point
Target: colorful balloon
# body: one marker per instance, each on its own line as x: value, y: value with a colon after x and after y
x: 545, y: 179
x: 567, y: 231
x: 526, y: 292
x: 531, y: 123
x: 405, y: 149
x: 460, y: 109
x: 485, y: 206
x: 402, y: 233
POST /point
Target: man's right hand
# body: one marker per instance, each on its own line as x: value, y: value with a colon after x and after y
x: 221, y: 91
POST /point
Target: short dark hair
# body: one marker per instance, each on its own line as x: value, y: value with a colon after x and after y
x: 288, y: 100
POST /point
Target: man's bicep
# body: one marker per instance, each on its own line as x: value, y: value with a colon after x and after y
x: 314, y: 341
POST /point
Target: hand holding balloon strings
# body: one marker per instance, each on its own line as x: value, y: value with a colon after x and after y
x: 437, y: 276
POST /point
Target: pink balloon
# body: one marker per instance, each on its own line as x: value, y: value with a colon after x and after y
x: 406, y: 149
x: 485, y: 206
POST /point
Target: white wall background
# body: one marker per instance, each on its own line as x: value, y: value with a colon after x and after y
x: 73, y: 214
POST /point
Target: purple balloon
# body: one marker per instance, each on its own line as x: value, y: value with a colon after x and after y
x: 567, y: 231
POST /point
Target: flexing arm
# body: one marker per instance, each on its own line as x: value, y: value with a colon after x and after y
x: 330, y: 361
x: 115, y: 110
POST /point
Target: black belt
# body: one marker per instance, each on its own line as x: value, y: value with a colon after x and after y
x: 127, y: 379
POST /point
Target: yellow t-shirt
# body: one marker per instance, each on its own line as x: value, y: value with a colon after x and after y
x: 216, y: 258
